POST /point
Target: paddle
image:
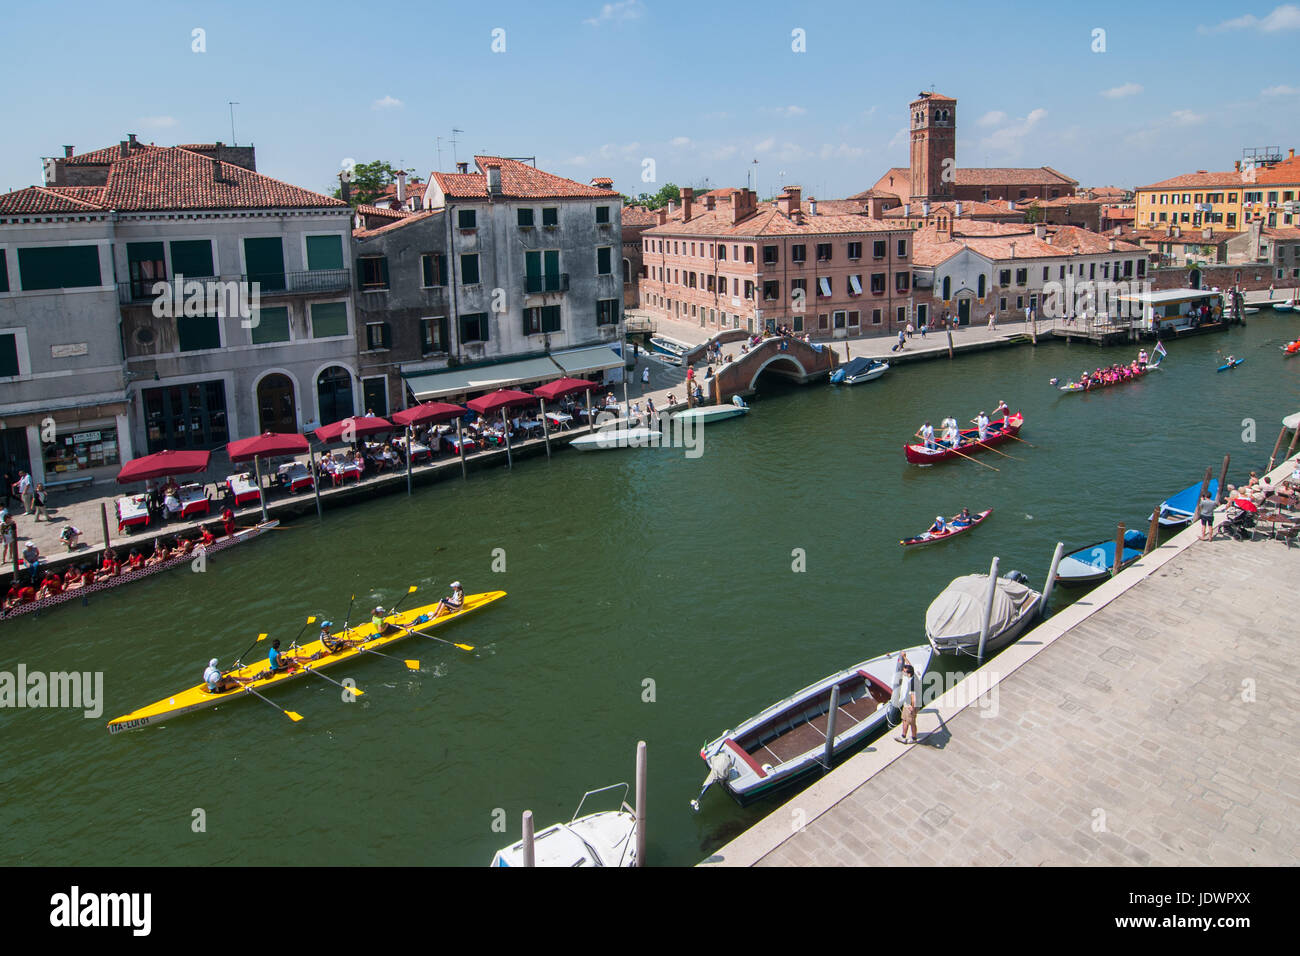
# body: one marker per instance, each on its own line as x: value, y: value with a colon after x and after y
x: 1009, y: 435
x: 261, y: 637
x: 295, y: 717
x: 409, y: 591
x: 354, y: 691
x: 463, y: 647
x: 996, y: 452
x: 969, y: 458
x: 413, y: 665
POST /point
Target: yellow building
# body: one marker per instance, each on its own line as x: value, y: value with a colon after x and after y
x: 1194, y: 199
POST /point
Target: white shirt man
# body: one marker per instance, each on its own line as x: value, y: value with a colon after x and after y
x: 25, y: 492
x: 645, y: 375
x: 927, y: 435
x: 212, y: 675
x: 982, y: 423
x: 950, y: 432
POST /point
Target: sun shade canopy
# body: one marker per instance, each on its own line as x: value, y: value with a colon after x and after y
x: 163, y: 463
x: 501, y: 398
x: 353, y: 428
x: 268, y: 445
x: 428, y: 413
x: 562, y: 387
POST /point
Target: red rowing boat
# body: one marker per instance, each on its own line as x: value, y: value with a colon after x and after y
x: 932, y: 537
x: 968, y: 442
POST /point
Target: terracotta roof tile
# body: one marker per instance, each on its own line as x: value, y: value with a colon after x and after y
x: 406, y: 220
x: 35, y: 200
x: 639, y: 216
x: 767, y: 220
x: 991, y: 176
x: 518, y: 181
x: 1199, y: 180
x: 1287, y: 171
x: 930, y: 247
x: 109, y: 154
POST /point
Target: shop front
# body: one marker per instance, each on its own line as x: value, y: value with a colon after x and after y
x: 82, y: 449
x: 191, y: 415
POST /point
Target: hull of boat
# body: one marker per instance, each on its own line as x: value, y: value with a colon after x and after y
x: 607, y: 838
x: 1284, y: 308
x: 711, y: 413
x: 1179, y: 509
x: 1225, y: 368
x: 604, y: 440
x: 788, y: 725
x: 929, y: 538
x: 1074, y: 388
x: 261, y: 680
x: 998, y: 432
x: 995, y: 642
x: 1093, y: 563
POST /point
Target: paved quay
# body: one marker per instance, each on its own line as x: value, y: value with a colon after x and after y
x: 1152, y: 723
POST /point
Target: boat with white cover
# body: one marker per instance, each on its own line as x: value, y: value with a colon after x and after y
x: 954, y: 619
x: 713, y: 413
x: 603, y: 439
x: 859, y: 370
x: 604, y: 838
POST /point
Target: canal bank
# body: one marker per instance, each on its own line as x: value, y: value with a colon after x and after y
x: 1149, y: 723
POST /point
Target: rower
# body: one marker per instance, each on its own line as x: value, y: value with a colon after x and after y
x: 378, y: 623
x: 963, y: 520
x: 1002, y: 411
x: 217, y: 682
x: 927, y: 435
x: 982, y: 423
x: 950, y: 432
x: 327, y: 640
x: 280, y: 663
x: 1142, y: 357
x: 939, y: 527
x: 452, y: 603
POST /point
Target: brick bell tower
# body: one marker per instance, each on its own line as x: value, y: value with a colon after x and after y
x: 933, y: 124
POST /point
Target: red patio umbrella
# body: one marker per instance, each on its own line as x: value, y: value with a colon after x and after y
x: 355, y: 427
x: 266, y: 445
x: 428, y: 413
x: 502, y: 399
x: 562, y: 387
x: 163, y: 463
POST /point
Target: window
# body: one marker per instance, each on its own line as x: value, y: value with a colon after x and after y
x: 606, y: 311
x: 144, y: 262
x: 1002, y: 304
x: 264, y: 262
x: 855, y: 250
x: 902, y: 248
x: 877, y: 283
x: 374, y: 273
x: 466, y: 218
x: 769, y: 255
x: 876, y: 316
x: 771, y: 290
x: 902, y: 281
x: 474, y: 327
x: 1045, y: 273
x: 840, y: 319
x: 1004, y: 277
x: 749, y: 254
x: 550, y: 216
x: 854, y: 319
x: 433, y: 335
x: 604, y: 261
x: 272, y: 326
x: 602, y: 215
x: 323, y: 252
x: 823, y: 321
x: 878, y: 249
x: 799, y: 253
x: 798, y: 290
x: 824, y: 287
x: 378, y: 336
x: 749, y: 289
x: 59, y: 267
x: 469, y: 268
x: 193, y: 257
x: 328, y: 319
x: 8, y: 355
x: 901, y: 314
x: 722, y: 253
x: 4, y: 273
x: 980, y: 289
x: 823, y: 252
x: 855, y: 285
x: 947, y: 288
x: 1022, y: 276
x: 197, y: 332
x: 524, y: 218
x: 542, y: 319
x: 433, y: 269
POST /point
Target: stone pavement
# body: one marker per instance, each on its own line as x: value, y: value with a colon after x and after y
x: 1153, y: 722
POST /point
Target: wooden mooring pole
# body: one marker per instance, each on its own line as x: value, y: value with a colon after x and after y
x: 530, y: 855
x: 1223, y: 477
x: 1153, y: 529
x: 103, y: 518
x: 1119, y: 550
x: 1281, y: 437
x: 829, y: 753
x: 640, y: 802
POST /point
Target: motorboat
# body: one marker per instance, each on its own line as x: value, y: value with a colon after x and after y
x: 604, y: 838
x: 954, y: 619
x: 859, y: 370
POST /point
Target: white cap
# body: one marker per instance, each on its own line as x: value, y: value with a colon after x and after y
x: 213, y: 662
x: 379, y: 609
x: 455, y: 585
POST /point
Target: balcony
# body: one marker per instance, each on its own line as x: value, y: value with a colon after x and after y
x: 317, y: 281
x: 556, y: 282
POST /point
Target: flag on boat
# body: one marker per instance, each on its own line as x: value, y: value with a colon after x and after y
x: 1160, y: 349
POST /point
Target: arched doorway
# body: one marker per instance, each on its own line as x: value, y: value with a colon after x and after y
x: 277, y: 407
x: 1194, y: 279
x: 334, y: 394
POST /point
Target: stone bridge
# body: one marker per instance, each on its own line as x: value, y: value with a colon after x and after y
x: 791, y: 358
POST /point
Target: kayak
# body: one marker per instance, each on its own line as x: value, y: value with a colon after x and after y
x: 419, y: 619
x: 1233, y: 364
x: 930, y: 537
x: 968, y: 442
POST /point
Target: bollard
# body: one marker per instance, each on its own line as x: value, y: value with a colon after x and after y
x: 1051, y: 579
x: 950, y: 344
x: 1152, y: 530
x: 1205, y: 482
x: 831, y: 714
x: 530, y: 857
x: 1223, y: 477
x: 546, y: 431
x: 640, y: 802
x: 460, y: 447
x: 505, y: 427
x: 409, y: 442
x: 261, y: 492
x: 1294, y: 439
x: 1119, y: 550
x: 988, y: 608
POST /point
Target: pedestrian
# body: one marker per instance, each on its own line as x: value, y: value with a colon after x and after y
x: 25, y: 491
x: 9, y: 536
x: 907, y: 700
x: 38, y: 503
x: 32, y: 561
x: 924, y: 327
x: 645, y: 377
x: 902, y: 338
x: 993, y: 322
x: 650, y: 413
x: 1270, y: 292
x: 909, y: 330
x: 1205, y: 511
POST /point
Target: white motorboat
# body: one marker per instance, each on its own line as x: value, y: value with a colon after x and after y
x: 954, y: 619
x: 859, y: 370
x: 603, y: 439
x: 787, y: 741
x: 711, y: 413
x: 605, y: 838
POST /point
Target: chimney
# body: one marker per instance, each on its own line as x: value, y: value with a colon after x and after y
x: 958, y: 208
x: 1112, y: 245
x: 1236, y: 166
x: 925, y: 208
x: 1169, y: 230
x: 709, y: 201
x: 1040, y: 230
x: 216, y: 170
x: 124, y: 149
x: 462, y: 167
x: 1207, y: 233
x: 672, y: 207
x: 812, y: 206
x: 67, y: 152
x: 401, y: 188
x: 1013, y: 250
x: 1011, y: 207
x: 131, y: 138
x: 1290, y: 153
x: 688, y: 195
x: 493, y: 178
x: 791, y: 200
x: 907, y: 210
x: 661, y: 215
x: 737, y: 206
x: 1178, y: 231
x: 345, y: 187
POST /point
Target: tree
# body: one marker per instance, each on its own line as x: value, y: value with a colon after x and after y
x: 368, y: 182
x: 668, y: 192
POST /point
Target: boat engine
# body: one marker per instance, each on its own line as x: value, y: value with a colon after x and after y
x: 1018, y: 576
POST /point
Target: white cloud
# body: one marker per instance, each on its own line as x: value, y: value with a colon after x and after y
x: 900, y: 138
x: 1125, y: 89
x: 386, y: 103
x: 1187, y: 117
x: 789, y: 110
x: 871, y: 111
x: 1010, y: 139
x: 992, y: 118
x: 157, y: 122
x: 722, y: 152
x: 681, y: 141
x: 1281, y: 90
x: 842, y: 151
x: 765, y: 146
x: 1284, y: 17
x: 617, y: 12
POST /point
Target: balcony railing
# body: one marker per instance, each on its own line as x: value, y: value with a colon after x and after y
x: 275, y: 283
x: 556, y: 282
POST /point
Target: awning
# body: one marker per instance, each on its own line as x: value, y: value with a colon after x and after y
x: 454, y: 381
x: 824, y: 283
x: 595, y: 358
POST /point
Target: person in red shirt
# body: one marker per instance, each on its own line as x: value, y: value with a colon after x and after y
x: 135, y: 560
x: 207, y: 538
x: 53, y: 585
x: 110, y: 567
x: 183, y: 546
x: 228, y: 522
x: 72, y: 580
x: 20, y: 595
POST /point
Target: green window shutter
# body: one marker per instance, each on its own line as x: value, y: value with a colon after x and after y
x: 144, y: 252
x: 383, y: 265
x: 264, y: 262
x: 469, y: 269
x: 551, y: 318
x: 328, y: 319
x: 550, y: 216
x: 602, y: 261
x: 4, y: 272
x: 196, y: 332
x: 192, y: 258
x: 426, y: 270
x: 532, y: 264
x: 552, y: 259
x: 525, y: 217
x: 602, y: 214
x: 442, y: 269
x: 8, y: 355
x: 466, y: 218
x: 272, y: 326
x: 324, y: 252
x: 59, y: 267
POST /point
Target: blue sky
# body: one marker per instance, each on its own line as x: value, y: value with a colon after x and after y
x: 703, y: 89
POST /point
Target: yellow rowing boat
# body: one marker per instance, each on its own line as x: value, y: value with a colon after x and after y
x: 311, y: 656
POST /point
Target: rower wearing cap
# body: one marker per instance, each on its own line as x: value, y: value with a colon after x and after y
x: 378, y: 621
x: 452, y: 603
x: 950, y: 437
x: 982, y: 423
x: 327, y: 639
x: 939, y: 526
x: 217, y: 682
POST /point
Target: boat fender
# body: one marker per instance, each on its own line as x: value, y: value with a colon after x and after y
x: 1018, y: 576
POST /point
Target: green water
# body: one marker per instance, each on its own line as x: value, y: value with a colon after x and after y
x: 621, y: 568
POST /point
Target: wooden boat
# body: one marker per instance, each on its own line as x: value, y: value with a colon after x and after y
x: 1094, y: 563
x: 1231, y: 365
x: 968, y: 441
x: 1285, y: 306
x: 603, y: 439
x: 604, y: 838
x: 673, y: 350
x: 126, y: 577
x: 932, y: 537
x: 786, y: 742
x: 859, y: 370
x: 711, y: 413
x: 360, y: 639
x: 1076, y: 387
x: 1250, y: 310
x: 1179, y: 509
x: 954, y: 618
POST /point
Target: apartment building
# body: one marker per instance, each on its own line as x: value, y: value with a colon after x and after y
x: 1267, y: 189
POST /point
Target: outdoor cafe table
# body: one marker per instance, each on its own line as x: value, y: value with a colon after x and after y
x: 339, y: 472
x: 193, y: 500
x: 560, y: 419
x: 530, y: 426
x: 243, y: 488
x: 132, y: 512
x: 452, y: 443
x: 295, y: 475
x: 417, y: 450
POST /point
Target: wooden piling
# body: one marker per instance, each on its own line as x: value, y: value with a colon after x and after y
x: 1281, y: 437
x: 1050, y: 583
x: 103, y: 518
x: 1294, y: 439
x: 460, y: 447
x: 988, y: 608
x: 1223, y: 477
x: 1205, y: 482
x: 1153, y: 529
x: 950, y: 344
x: 1119, y: 550
x: 546, y: 431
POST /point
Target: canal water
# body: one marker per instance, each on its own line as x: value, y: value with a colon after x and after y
x: 651, y: 596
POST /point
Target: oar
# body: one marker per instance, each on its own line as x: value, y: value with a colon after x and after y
x: 409, y: 591
x: 463, y: 647
x: 1030, y: 444
x: 969, y: 458
x: 413, y: 665
x: 996, y: 452
x: 354, y: 691
x: 295, y: 717
x: 239, y: 659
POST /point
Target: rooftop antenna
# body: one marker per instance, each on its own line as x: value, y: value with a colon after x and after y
x: 438, y: 147
x: 232, y: 104
x: 454, y: 158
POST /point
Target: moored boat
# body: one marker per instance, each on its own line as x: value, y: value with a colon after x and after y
x: 603, y: 439
x: 954, y: 619
x: 710, y: 413
x: 1179, y: 509
x: 859, y: 370
x: 785, y: 742
x: 604, y: 838
x: 672, y: 349
x: 1231, y: 365
x: 312, y: 656
x: 968, y: 442
x: 933, y: 537
x: 1284, y: 306
x: 1093, y: 563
